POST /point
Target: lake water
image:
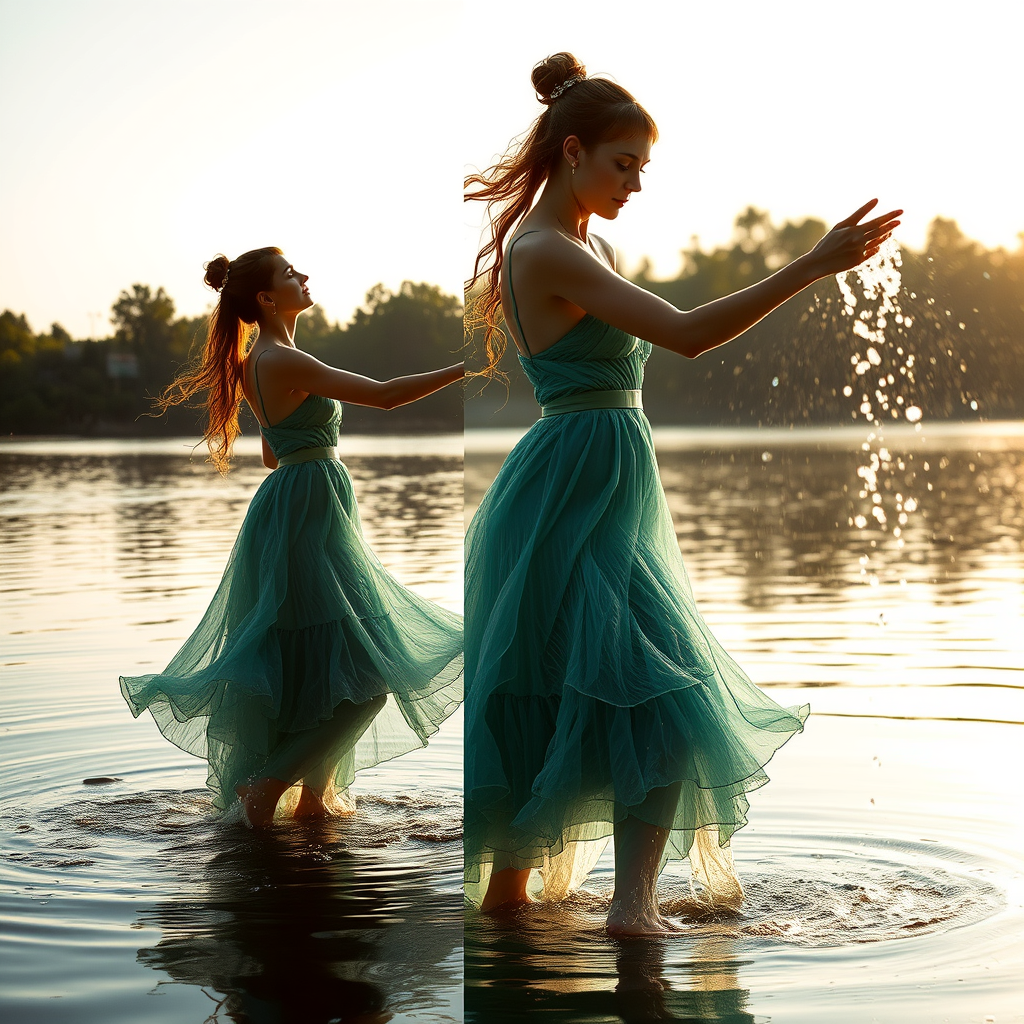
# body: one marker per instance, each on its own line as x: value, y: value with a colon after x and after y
x: 129, y: 901
x: 884, y: 863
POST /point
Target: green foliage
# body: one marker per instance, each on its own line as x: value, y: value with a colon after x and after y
x: 50, y: 384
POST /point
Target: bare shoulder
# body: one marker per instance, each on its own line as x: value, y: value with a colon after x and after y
x: 546, y: 250
x: 538, y: 243
x: 284, y: 369
x: 278, y: 357
x: 605, y: 248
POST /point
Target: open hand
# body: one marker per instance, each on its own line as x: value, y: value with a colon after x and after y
x: 850, y: 243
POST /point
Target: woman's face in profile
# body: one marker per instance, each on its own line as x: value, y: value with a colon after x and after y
x: 609, y: 173
x: 288, y: 287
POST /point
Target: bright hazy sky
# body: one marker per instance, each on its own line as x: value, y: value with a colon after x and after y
x: 141, y: 138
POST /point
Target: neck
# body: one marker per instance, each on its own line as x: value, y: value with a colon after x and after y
x: 280, y: 327
x: 558, y: 206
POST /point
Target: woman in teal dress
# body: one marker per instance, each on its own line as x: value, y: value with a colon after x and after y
x: 311, y: 661
x: 598, y: 701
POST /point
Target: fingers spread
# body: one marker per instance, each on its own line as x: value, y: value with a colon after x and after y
x: 883, y: 231
x: 857, y: 214
x: 881, y: 220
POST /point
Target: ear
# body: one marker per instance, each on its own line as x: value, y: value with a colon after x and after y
x: 264, y: 299
x: 571, y: 149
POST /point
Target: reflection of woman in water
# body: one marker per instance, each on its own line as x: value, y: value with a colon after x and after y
x: 311, y: 661
x: 599, y: 702
x: 284, y: 937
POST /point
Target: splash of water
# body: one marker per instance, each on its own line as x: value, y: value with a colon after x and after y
x: 879, y: 282
x: 879, y: 370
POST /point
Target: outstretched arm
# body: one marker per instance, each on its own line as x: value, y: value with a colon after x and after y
x: 571, y: 273
x: 299, y: 371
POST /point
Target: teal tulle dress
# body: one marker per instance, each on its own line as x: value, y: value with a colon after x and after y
x: 595, y: 690
x: 311, y: 661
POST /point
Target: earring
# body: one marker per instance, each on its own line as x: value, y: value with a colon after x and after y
x: 573, y: 168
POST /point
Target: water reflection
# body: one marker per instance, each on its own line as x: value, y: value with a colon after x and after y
x: 557, y: 965
x: 302, y: 927
x: 163, y: 523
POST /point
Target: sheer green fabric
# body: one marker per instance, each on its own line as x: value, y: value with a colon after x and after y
x: 311, y: 661
x: 595, y: 689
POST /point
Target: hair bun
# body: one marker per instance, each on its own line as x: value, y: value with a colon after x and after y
x: 217, y: 272
x: 551, y: 72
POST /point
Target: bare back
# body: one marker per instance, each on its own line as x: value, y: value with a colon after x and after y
x: 270, y: 403
x: 538, y: 319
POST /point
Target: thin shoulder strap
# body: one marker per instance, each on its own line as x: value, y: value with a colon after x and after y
x: 512, y: 294
x: 256, y: 381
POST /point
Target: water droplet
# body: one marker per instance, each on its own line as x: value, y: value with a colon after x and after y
x: 913, y: 413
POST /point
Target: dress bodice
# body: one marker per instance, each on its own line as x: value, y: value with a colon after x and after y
x: 314, y: 424
x: 592, y: 356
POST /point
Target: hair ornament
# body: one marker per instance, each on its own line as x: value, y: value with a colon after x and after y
x: 224, y: 284
x: 567, y: 84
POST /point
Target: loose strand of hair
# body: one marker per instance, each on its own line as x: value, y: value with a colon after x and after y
x: 218, y: 373
x: 509, y: 187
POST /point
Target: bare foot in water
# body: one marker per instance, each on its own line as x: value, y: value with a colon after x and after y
x: 507, y: 891
x: 507, y: 906
x: 259, y: 800
x: 626, y: 922
x: 310, y: 805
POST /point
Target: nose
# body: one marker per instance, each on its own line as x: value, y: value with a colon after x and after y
x: 634, y: 184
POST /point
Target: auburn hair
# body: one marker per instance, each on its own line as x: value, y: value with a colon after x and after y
x: 232, y: 328
x: 595, y: 110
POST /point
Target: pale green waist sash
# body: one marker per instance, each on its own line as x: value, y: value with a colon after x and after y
x: 307, y: 455
x: 593, y: 400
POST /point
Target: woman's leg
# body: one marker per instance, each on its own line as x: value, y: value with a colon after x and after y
x: 639, y: 847
x: 259, y: 799
x: 506, y: 889
x: 305, y: 755
x: 350, y: 721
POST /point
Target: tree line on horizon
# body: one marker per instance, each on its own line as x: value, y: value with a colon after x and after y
x: 52, y: 384
x: 962, y: 311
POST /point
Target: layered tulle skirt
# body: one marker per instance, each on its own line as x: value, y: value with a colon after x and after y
x: 311, y: 661
x: 595, y: 689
